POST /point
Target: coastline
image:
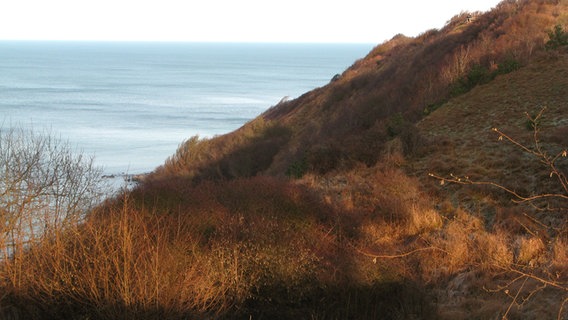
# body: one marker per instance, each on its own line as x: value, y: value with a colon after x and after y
x: 124, y: 181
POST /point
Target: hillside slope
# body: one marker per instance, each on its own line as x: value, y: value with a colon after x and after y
x: 513, y: 240
x: 348, y: 121
x: 366, y: 144
x: 460, y: 132
x: 384, y: 194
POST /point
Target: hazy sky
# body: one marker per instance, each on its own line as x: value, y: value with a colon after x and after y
x: 366, y: 21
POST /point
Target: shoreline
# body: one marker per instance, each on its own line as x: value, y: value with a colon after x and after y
x: 124, y: 181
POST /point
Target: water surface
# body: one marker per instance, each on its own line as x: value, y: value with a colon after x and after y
x: 131, y: 104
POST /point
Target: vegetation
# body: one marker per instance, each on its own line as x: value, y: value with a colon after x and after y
x: 557, y: 38
x: 534, y: 249
x: 44, y: 187
x: 323, y: 207
x: 479, y: 75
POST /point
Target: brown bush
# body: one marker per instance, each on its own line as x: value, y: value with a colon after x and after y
x: 222, y: 247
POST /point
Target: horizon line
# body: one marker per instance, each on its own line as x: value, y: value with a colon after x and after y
x: 186, y: 41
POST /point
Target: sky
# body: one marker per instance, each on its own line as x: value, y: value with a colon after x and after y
x: 335, y: 21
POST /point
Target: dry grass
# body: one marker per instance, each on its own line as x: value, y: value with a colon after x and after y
x: 365, y: 233
x: 355, y: 245
x: 247, y: 247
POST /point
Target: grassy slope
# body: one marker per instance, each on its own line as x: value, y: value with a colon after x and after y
x: 460, y: 133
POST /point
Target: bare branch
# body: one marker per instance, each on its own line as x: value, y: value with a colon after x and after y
x: 562, y: 308
x: 44, y: 184
x: 539, y: 153
x: 396, y: 256
x: 519, y: 198
x: 515, y: 299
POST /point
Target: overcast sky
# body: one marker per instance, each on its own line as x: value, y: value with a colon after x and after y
x: 361, y: 21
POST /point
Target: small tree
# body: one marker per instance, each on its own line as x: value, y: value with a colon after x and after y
x: 44, y: 186
x: 557, y: 38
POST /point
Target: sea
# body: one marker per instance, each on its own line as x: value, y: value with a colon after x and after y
x: 131, y: 104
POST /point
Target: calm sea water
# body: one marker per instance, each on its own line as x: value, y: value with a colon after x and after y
x: 132, y: 104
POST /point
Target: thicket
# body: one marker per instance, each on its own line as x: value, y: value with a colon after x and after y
x: 364, y: 244
x: 258, y: 247
x: 243, y: 153
x: 479, y: 74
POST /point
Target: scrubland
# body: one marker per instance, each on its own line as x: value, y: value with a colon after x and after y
x: 427, y: 182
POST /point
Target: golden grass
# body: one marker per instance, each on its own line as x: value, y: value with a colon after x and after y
x: 269, y: 246
x: 229, y: 247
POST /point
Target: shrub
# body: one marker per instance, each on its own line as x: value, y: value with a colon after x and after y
x: 298, y: 168
x: 412, y: 140
x: 508, y: 65
x: 396, y: 125
x: 242, y: 153
x: 246, y: 244
x: 557, y: 38
x: 44, y: 186
x: 324, y: 158
x: 46, y: 190
x: 433, y: 107
x: 477, y: 75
